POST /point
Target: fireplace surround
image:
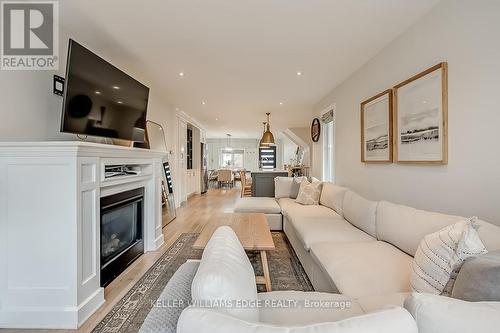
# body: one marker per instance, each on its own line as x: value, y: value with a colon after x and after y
x: 59, y: 234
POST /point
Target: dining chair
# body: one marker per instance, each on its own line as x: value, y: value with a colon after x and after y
x: 246, y: 184
x: 225, y: 176
x: 213, y: 177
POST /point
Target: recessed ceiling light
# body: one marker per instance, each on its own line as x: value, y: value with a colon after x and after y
x: 216, y: 119
x: 97, y: 92
x: 181, y: 74
x: 203, y: 102
x: 119, y: 102
x: 281, y: 103
x: 299, y: 73
x: 176, y: 109
x: 116, y: 87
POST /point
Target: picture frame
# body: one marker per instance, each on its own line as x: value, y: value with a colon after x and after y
x: 377, y: 128
x: 421, y: 117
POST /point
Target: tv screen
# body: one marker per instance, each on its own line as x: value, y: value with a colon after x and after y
x: 100, y: 99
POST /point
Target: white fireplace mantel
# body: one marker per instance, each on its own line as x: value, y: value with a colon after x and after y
x: 50, y: 226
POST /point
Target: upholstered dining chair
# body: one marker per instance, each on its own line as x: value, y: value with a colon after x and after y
x: 213, y: 177
x: 237, y: 177
x: 246, y: 184
x: 225, y: 176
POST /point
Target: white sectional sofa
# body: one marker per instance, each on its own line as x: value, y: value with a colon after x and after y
x: 225, y: 299
x: 360, y: 248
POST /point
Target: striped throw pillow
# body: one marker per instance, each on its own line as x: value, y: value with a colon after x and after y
x: 440, y: 256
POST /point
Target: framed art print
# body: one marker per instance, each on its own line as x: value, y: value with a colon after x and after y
x: 421, y: 117
x: 376, y: 128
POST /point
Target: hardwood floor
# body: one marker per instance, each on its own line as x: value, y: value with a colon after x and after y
x: 191, y: 217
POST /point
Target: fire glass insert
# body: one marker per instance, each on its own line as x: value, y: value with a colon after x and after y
x: 121, y: 232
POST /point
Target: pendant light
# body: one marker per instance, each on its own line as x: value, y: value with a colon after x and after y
x: 261, y: 144
x: 228, y: 147
x: 268, y: 137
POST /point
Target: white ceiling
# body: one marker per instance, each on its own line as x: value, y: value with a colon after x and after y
x: 240, y: 56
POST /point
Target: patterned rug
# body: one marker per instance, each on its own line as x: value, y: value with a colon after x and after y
x: 129, y: 313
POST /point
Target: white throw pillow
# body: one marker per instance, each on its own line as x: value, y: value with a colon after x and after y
x: 296, y: 186
x: 309, y: 193
x: 283, y: 187
x: 440, y: 256
x: 225, y: 276
x: 439, y: 314
x: 390, y: 320
x: 287, y: 187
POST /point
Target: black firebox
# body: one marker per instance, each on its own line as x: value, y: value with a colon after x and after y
x: 122, y: 239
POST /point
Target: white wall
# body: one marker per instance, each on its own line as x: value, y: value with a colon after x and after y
x: 466, y: 34
x: 250, y: 146
x: 304, y: 135
x: 29, y: 111
x: 289, y: 150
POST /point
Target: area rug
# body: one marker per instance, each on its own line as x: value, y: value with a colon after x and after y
x: 129, y: 313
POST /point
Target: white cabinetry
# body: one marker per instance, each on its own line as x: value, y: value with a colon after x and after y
x: 192, y: 181
x: 50, y: 227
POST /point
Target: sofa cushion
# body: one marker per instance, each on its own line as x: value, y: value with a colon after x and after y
x: 391, y: 320
x: 293, y: 210
x: 328, y: 230
x: 287, y: 187
x: 257, y: 205
x: 332, y: 196
x: 364, y: 268
x: 405, y: 227
x: 309, y: 193
x: 226, y: 275
x: 377, y: 302
x: 360, y: 212
x: 440, y: 314
x: 489, y: 234
x: 440, y: 256
x: 305, y: 308
x: 282, y: 187
x: 479, y: 279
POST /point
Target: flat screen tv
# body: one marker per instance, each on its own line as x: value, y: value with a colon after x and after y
x: 101, y: 100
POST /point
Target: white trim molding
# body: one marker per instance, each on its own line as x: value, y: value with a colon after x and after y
x: 50, y: 227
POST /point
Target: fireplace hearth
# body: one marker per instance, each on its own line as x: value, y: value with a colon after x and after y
x: 121, y: 232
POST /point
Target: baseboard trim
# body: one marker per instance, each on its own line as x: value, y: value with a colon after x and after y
x: 51, y: 317
x: 159, y: 241
x: 90, y: 305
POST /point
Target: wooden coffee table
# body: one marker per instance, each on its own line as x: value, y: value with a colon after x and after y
x: 252, y: 231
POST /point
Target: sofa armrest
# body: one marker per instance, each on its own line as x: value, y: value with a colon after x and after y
x: 173, y: 300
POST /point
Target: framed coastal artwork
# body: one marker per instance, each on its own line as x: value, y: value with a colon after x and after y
x: 376, y: 128
x: 421, y: 117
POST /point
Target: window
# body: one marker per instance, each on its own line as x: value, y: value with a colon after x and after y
x: 232, y: 158
x: 267, y: 157
x: 328, y: 150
